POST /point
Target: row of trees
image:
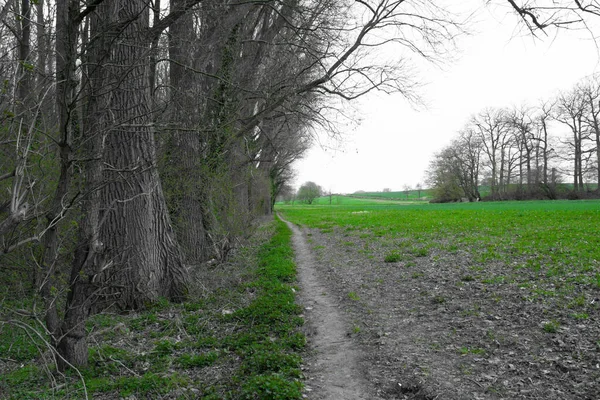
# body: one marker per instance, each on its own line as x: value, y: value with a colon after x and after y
x: 139, y: 138
x: 307, y: 193
x: 525, y: 152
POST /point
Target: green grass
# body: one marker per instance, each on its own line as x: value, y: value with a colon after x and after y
x: 471, y: 350
x: 393, y: 257
x: 551, y: 327
x: 337, y: 200
x: 413, y: 194
x: 240, y: 341
x: 18, y: 343
x: 553, y: 242
x: 353, y: 296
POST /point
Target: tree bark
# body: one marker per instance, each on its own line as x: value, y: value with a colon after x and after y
x: 25, y: 62
x: 41, y: 43
x: 545, y: 152
x: 592, y: 96
x: 67, y: 337
x: 142, y: 260
x: 597, y: 139
x: 577, y: 158
x: 184, y: 150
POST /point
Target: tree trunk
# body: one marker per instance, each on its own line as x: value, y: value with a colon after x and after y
x: 521, y: 167
x: 135, y: 255
x: 501, y: 179
x: 66, y: 40
x: 153, y: 57
x: 580, y: 153
x: 597, y: 138
x: 238, y: 170
x: 578, y: 156
x: 595, y: 112
x: 72, y: 345
x: 24, y: 94
x: 575, y: 163
x: 545, y: 154
x: 529, y: 178
x: 185, y: 146
x: 41, y: 43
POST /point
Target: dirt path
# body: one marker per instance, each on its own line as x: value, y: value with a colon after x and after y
x: 438, y: 324
x: 333, y: 368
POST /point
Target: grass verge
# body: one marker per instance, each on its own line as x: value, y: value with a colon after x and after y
x: 237, y: 338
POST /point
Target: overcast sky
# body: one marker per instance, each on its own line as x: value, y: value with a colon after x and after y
x: 496, y: 67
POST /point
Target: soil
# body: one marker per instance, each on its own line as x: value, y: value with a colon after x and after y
x: 333, y: 365
x: 426, y: 329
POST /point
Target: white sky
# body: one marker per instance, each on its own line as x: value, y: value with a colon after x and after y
x: 496, y: 67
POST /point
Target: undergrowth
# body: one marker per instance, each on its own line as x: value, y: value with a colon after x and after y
x: 237, y: 338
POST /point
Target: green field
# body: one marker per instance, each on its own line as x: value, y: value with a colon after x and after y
x: 500, y: 299
x: 558, y: 239
x: 424, y: 194
x: 562, y: 191
x: 337, y: 200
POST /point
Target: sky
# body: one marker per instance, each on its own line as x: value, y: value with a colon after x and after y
x: 496, y: 66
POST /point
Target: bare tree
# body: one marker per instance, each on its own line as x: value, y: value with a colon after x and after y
x: 418, y: 188
x: 286, y: 194
x: 491, y: 127
x: 282, y: 142
x: 571, y: 112
x: 590, y: 90
x: 262, y: 73
x: 454, y: 172
x: 521, y: 122
x: 467, y: 151
x: 406, y: 189
x: 545, y: 115
x: 540, y: 16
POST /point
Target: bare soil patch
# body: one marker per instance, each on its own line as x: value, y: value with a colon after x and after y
x: 429, y: 329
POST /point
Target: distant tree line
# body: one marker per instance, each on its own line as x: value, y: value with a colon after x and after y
x: 527, y: 152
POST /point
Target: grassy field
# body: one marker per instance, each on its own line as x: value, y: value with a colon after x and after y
x: 338, y: 200
x: 558, y: 239
x: 428, y: 194
x: 424, y: 194
x: 502, y: 299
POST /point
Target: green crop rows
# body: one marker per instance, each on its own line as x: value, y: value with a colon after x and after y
x: 556, y: 242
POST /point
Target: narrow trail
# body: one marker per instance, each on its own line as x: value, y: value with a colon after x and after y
x: 334, y: 372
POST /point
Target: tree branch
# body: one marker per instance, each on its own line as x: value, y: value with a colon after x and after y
x: 162, y: 24
x: 90, y: 8
x: 526, y: 12
x: 7, y: 175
